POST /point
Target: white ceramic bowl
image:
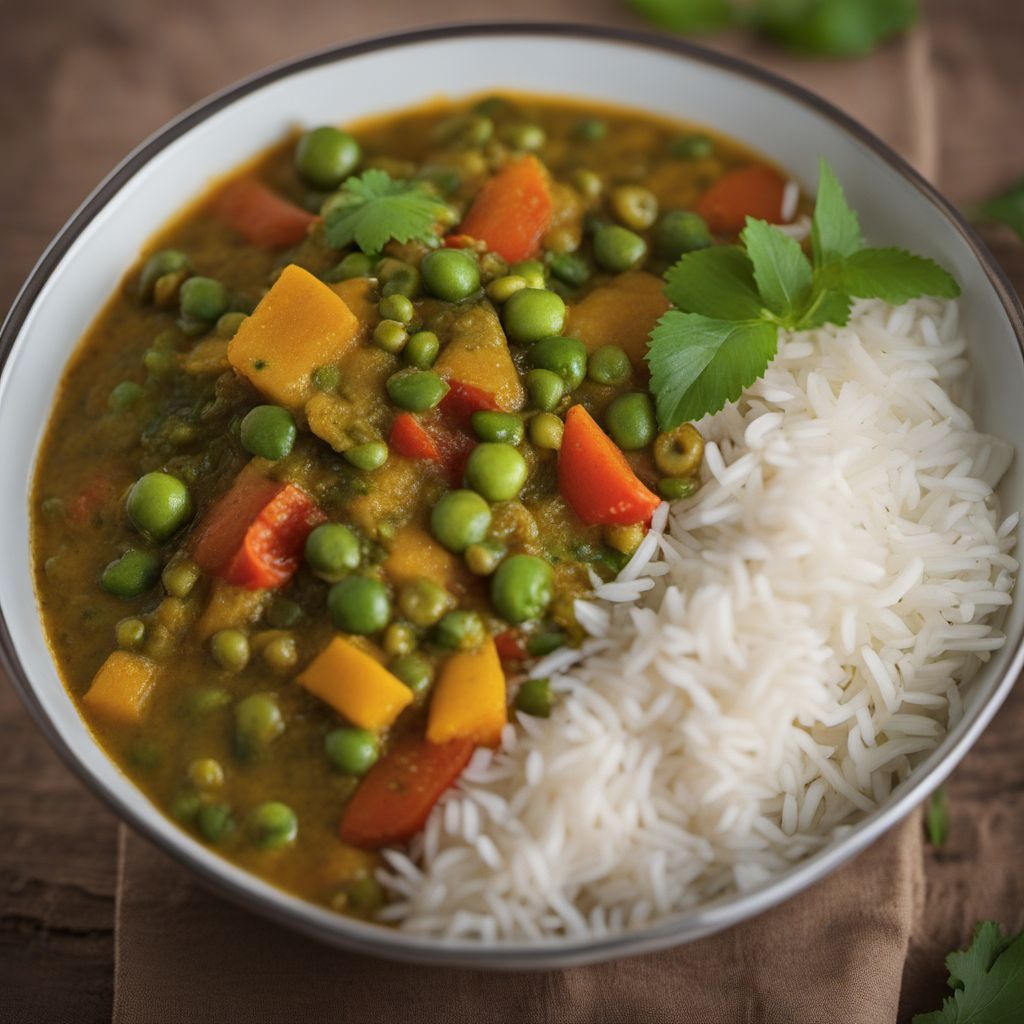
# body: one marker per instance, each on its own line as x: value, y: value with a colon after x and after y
x: 85, y: 262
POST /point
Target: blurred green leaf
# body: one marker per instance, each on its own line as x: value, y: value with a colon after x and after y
x: 1006, y: 209
x: 686, y: 15
x: 936, y: 818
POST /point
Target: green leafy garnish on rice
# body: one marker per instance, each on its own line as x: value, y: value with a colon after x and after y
x: 731, y: 301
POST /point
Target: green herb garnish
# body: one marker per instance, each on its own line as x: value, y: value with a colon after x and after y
x: 730, y: 302
x: 987, y: 980
x: 936, y: 818
x: 373, y: 208
x: 1006, y: 209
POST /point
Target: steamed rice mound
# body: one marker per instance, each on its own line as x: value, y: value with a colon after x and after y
x: 764, y: 672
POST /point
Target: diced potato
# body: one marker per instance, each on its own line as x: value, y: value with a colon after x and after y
x: 122, y: 687
x: 356, y: 685
x: 622, y: 312
x: 469, y: 700
x: 298, y: 326
x: 230, y: 607
x: 415, y: 553
x: 476, y: 352
x: 357, y: 293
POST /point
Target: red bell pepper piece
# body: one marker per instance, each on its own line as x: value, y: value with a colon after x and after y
x: 254, y: 535
x: 752, y: 191
x: 260, y: 215
x: 395, y: 798
x: 462, y: 401
x: 409, y: 438
x: 595, y: 478
x: 512, y: 210
x: 511, y: 645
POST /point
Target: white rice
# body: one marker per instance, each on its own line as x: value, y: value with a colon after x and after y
x: 763, y: 672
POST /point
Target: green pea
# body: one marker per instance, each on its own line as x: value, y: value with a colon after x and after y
x: 399, y: 639
x: 258, y: 722
x: 590, y: 129
x: 459, y: 519
x: 522, y: 588
x: 535, y: 698
x: 324, y: 157
x: 284, y: 613
x: 405, y: 283
x: 369, y: 456
x: 206, y: 773
x: 161, y: 364
x: 673, y: 488
x: 565, y: 356
x: 396, y: 307
x: 545, y: 389
x: 570, y: 267
x: 326, y: 378
x: 414, y: 671
x: 268, y: 431
x: 422, y: 601
x: 166, y: 261
x: 634, y: 206
x: 450, y: 274
x: 391, y: 336
x: 482, y: 559
x: 617, y: 248
x: 416, y: 390
x: 130, y: 633
x: 679, y: 232
x: 465, y: 130
x: 496, y: 471
x: 460, y: 631
x: 203, y: 298
x: 203, y: 700
x: 630, y: 421
x: 527, y: 137
x: 124, y: 395
x: 609, y: 365
x: 531, y: 271
x: 179, y: 577
x: 273, y: 825
x: 158, y: 505
x: 332, y: 550
x: 281, y: 654
x: 355, y: 264
x: 587, y: 183
x: 533, y: 313
x: 185, y: 806
x: 421, y: 350
x: 352, y: 751
x: 546, y: 431
x: 359, y: 605
x: 691, y: 147
x: 544, y: 643
x: 501, y: 289
x: 215, y: 822
x: 230, y: 649
x: 497, y: 426
x: 131, y: 575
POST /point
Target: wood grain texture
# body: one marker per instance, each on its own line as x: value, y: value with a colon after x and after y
x: 148, y: 60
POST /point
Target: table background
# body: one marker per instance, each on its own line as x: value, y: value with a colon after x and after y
x: 148, y: 59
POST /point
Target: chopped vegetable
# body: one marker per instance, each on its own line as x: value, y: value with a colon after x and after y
x: 409, y: 438
x: 396, y: 796
x: 414, y: 554
x: 512, y: 211
x: 595, y: 478
x: 230, y: 607
x: 356, y: 685
x: 462, y: 400
x: 260, y: 215
x: 752, y: 191
x: 469, y: 698
x: 122, y: 687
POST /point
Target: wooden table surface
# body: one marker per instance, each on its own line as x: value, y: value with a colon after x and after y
x: 59, y: 860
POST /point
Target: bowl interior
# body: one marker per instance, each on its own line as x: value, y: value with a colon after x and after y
x: 172, y: 168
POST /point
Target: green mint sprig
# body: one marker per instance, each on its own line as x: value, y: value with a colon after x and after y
x: 731, y: 301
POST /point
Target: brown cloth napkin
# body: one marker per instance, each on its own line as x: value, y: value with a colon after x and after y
x: 832, y: 954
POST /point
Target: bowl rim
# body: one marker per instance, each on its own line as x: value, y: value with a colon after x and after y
x: 372, y: 939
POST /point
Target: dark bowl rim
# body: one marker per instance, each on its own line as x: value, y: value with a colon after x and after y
x: 682, y: 926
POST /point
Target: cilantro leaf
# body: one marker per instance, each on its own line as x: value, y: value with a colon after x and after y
x: 893, y: 275
x: 686, y: 15
x: 987, y: 981
x: 936, y: 818
x: 716, y: 282
x: 835, y: 229
x: 699, y: 363
x: 781, y: 270
x: 1006, y: 209
x: 373, y: 208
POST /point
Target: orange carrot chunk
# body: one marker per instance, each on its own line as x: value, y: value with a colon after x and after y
x: 254, y: 535
x: 752, y: 191
x: 595, y: 478
x: 395, y: 798
x: 260, y: 215
x: 512, y: 211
